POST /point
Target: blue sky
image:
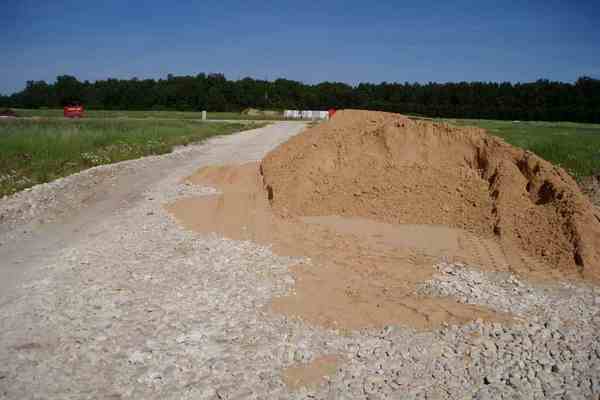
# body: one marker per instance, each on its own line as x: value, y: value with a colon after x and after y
x: 349, y: 41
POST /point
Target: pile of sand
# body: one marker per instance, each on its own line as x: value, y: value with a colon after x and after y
x: 361, y: 273
x: 374, y: 200
x: 392, y: 169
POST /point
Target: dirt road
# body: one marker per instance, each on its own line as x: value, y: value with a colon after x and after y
x: 78, y: 203
x: 112, y: 298
x: 90, y: 215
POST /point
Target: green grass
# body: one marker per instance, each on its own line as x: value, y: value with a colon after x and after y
x: 58, y: 113
x: 38, y: 151
x: 573, y: 146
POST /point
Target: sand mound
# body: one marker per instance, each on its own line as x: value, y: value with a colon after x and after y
x: 374, y: 200
x: 362, y: 273
x: 389, y: 168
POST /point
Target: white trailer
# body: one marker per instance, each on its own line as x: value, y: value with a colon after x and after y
x: 306, y: 114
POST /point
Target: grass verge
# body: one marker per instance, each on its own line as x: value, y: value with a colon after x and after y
x: 112, y: 114
x: 38, y: 151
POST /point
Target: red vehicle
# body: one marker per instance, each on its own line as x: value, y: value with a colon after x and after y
x: 73, y: 111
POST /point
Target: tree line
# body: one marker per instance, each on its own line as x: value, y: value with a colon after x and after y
x: 540, y: 100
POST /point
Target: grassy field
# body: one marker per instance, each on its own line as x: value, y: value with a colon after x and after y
x: 58, y: 113
x: 37, y: 151
x: 573, y: 146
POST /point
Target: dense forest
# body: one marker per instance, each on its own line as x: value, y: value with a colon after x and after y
x: 540, y: 100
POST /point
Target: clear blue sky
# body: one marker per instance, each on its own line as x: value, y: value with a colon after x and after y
x: 349, y: 41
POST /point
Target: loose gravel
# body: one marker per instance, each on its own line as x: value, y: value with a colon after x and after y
x: 141, y: 309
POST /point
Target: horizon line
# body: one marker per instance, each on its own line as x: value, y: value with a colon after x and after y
x: 266, y: 79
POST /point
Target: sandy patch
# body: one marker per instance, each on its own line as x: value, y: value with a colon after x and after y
x: 312, y: 373
x: 362, y: 272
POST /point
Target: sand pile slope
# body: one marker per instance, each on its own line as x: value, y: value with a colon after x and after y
x: 392, y: 169
x: 361, y: 274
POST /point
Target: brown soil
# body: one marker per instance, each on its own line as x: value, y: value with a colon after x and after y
x: 312, y: 373
x: 388, y: 168
x: 363, y: 273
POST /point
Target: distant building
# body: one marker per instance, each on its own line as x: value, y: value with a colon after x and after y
x: 73, y: 111
x: 8, y: 113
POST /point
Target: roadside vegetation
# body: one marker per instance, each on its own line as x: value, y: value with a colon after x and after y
x: 112, y: 114
x: 37, y: 151
x: 573, y: 146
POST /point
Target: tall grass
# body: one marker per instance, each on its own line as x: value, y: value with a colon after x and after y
x: 37, y: 151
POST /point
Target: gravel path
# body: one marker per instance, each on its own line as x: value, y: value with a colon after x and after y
x: 112, y: 299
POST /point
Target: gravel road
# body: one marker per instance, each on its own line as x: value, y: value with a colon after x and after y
x: 110, y: 298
